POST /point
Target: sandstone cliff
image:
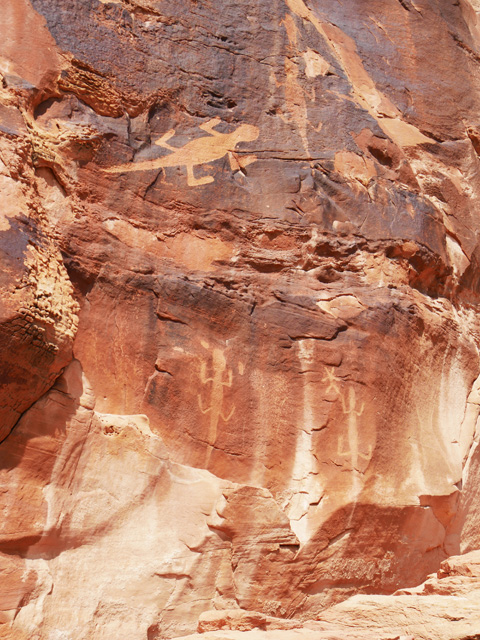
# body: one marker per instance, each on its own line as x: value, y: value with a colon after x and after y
x: 239, y: 331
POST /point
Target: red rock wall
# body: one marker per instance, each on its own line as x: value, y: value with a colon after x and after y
x: 238, y: 328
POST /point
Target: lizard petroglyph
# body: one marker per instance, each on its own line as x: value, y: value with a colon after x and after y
x: 198, y: 151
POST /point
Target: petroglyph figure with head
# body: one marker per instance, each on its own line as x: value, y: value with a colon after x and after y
x: 198, y: 152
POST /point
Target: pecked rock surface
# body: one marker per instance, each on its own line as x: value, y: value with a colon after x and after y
x: 239, y: 316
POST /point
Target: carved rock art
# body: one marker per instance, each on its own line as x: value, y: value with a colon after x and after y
x: 263, y: 395
x: 199, y: 152
x: 353, y: 412
x: 332, y: 380
x: 221, y: 378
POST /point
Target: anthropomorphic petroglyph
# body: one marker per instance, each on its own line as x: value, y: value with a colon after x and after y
x: 199, y: 151
x: 353, y: 412
x: 222, y: 377
x: 332, y: 380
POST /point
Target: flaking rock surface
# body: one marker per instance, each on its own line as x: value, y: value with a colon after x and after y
x: 239, y: 316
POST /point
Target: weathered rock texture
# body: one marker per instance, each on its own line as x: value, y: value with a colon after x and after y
x: 239, y: 324
x: 445, y: 607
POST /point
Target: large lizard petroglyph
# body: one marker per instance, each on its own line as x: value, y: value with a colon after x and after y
x: 199, y: 151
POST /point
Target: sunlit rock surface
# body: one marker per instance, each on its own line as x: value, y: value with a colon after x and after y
x: 239, y: 382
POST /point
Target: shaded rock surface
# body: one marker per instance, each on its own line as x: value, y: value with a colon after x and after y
x: 238, y: 324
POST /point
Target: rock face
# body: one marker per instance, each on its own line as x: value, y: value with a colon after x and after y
x: 446, y: 606
x: 240, y: 379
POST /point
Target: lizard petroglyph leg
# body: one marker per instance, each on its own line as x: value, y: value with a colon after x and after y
x: 208, y: 126
x: 163, y: 141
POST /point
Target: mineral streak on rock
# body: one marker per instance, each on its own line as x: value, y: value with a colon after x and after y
x: 239, y: 335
